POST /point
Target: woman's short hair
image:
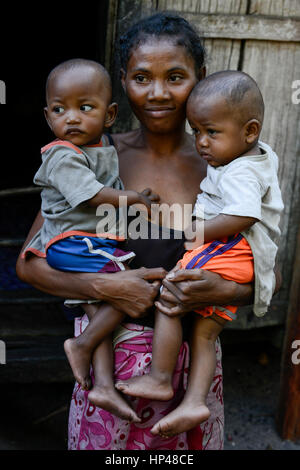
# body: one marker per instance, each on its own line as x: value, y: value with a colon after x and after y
x: 163, y: 24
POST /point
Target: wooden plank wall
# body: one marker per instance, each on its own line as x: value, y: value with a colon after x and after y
x: 262, y: 38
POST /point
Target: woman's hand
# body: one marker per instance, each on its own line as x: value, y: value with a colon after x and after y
x: 188, y: 290
x: 131, y: 291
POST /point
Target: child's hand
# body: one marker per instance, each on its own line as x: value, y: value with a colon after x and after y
x: 148, y: 197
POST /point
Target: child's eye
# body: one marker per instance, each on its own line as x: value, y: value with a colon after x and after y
x: 194, y: 130
x: 58, y: 109
x: 86, y: 107
x: 211, y: 131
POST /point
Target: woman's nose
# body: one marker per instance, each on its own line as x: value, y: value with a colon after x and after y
x: 159, y: 90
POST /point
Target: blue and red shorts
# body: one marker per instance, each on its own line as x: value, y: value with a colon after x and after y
x: 87, y: 254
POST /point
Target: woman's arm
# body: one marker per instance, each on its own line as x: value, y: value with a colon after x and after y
x: 132, y: 291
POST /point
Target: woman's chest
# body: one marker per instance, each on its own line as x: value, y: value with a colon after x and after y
x: 175, y: 181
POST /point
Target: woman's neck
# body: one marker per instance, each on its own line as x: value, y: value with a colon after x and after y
x: 163, y: 145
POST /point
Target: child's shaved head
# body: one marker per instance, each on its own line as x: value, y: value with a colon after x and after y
x: 85, y: 65
x: 239, y: 90
x: 79, y: 107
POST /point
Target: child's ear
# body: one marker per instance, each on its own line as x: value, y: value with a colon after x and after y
x: 252, y: 130
x: 111, y: 114
x: 47, y: 117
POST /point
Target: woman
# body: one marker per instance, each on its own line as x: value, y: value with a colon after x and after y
x: 162, y: 59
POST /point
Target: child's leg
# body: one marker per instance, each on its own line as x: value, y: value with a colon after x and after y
x: 103, y: 319
x: 103, y: 394
x: 193, y: 410
x: 157, y: 385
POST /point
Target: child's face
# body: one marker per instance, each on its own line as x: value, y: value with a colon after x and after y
x: 78, y: 107
x: 220, y: 137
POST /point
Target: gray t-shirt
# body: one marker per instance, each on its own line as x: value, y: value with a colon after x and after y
x: 248, y: 186
x: 70, y: 176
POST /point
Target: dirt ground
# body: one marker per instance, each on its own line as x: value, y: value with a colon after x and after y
x: 35, y: 417
x: 251, y: 390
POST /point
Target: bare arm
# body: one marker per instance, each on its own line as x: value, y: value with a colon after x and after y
x: 132, y: 291
x: 224, y: 225
x: 111, y: 196
x: 218, y: 227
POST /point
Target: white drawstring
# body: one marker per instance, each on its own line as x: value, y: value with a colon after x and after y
x: 116, y: 259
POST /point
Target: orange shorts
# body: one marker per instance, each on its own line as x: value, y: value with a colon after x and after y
x: 230, y: 257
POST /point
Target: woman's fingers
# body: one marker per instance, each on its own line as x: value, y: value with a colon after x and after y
x: 151, y: 274
x: 182, y: 287
x: 171, y: 292
x: 137, y: 291
x: 185, y: 275
x: 185, y: 289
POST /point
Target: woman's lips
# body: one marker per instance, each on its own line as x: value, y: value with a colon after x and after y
x: 159, y: 111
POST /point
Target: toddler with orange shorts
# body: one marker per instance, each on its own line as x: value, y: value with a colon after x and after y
x: 236, y: 227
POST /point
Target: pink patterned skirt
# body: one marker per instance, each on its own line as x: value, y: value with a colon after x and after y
x: 91, y: 428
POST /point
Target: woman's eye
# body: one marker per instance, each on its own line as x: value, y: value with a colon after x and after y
x: 86, y: 107
x: 175, y: 78
x: 141, y: 79
x: 58, y: 109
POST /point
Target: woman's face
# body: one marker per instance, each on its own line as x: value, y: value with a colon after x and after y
x: 158, y: 81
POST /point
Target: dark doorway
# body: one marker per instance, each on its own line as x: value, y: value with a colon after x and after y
x: 38, y: 36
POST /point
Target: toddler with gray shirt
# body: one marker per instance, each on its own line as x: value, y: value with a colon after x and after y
x: 79, y: 176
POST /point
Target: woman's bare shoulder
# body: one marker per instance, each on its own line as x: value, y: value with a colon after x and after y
x: 125, y: 140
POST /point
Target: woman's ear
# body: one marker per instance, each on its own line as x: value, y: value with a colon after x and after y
x: 111, y: 114
x: 252, y: 130
x: 202, y: 73
x: 122, y: 78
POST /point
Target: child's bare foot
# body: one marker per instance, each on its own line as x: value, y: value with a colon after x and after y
x: 80, y: 360
x: 182, y: 419
x: 110, y: 400
x: 146, y: 386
